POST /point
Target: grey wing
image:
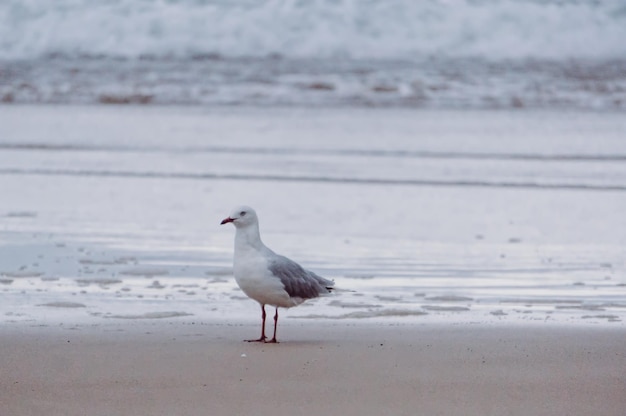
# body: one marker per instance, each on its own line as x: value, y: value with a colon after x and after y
x: 299, y: 282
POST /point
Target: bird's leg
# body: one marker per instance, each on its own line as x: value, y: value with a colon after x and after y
x: 263, y: 337
x: 273, y: 340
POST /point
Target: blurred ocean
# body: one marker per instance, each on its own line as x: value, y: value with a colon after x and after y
x: 568, y: 54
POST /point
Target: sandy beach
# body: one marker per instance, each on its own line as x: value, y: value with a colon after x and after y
x: 480, y: 267
x: 189, y: 367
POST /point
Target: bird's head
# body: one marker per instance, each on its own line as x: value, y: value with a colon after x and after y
x: 242, y: 216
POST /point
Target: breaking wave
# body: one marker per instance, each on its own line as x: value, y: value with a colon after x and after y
x: 371, y: 29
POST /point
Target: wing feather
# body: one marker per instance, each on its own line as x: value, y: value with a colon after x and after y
x: 297, y: 281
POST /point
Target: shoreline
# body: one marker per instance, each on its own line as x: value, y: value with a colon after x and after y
x: 89, y: 248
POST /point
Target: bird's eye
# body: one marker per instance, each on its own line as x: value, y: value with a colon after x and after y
x: 242, y: 213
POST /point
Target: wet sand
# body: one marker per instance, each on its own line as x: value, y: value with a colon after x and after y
x: 465, y: 216
x: 190, y: 367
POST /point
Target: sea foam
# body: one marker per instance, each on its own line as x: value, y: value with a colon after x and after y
x: 372, y: 29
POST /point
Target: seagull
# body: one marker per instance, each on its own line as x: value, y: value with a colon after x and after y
x: 267, y: 277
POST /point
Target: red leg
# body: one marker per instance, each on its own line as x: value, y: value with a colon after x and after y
x: 275, y: 325
x: 263, y: 337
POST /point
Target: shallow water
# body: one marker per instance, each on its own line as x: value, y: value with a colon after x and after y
x: 457, y: 216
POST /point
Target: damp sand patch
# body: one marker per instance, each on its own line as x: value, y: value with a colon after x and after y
x: 21, y: 214
x: 449, y: 298
x: 610, y: 318
x: 147, y: 272
x: 98, y: 281
x: 341, y: 304
x: 436, y: 308
x: 151, y: 315
x: 21, y: 274
x: 366, y: 314
x: 63, y: 305
x: 105, y: 262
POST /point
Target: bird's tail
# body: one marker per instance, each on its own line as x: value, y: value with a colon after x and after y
x: 329, y: 285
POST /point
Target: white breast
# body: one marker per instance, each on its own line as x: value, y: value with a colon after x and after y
x: 257, y: 282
